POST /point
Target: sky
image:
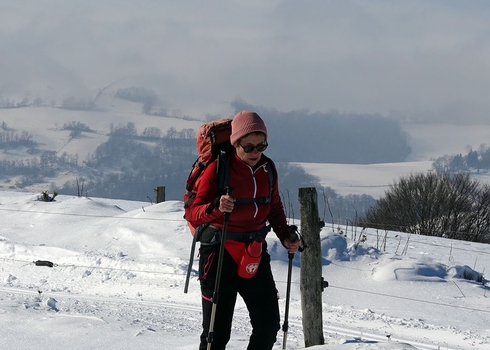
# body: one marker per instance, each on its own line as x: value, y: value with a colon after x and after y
x: 118, y: 276
x: 427, y: 58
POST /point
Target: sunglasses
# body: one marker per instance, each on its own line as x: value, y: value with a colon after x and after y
x: 261, y: 147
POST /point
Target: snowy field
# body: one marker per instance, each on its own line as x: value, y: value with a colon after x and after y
x: 427, y: 141
x: 371, y: 179
x: 119, y: 272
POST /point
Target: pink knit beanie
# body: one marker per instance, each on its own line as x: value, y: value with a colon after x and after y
x: 244, y: 123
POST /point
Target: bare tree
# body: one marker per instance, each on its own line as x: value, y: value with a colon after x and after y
x: 444, y: 205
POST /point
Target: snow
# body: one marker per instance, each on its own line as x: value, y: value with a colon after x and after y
x: 119, y: 273
x: 359, y: 179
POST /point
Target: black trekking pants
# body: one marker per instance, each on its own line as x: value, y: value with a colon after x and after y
x: 259, y: 294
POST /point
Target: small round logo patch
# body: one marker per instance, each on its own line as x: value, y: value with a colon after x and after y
x: 252, y: 268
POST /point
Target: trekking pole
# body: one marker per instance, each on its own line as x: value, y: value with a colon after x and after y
x: 285, y: 326
x: 191, y: 260
x: 226, y: 217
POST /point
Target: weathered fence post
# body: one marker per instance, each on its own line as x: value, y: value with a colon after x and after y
x: 160, y: 190
x: 311, y: 284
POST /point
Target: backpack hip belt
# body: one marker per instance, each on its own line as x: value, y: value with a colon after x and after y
x: 212, y: 235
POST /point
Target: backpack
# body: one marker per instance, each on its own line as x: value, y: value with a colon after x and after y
x: 213, y: 143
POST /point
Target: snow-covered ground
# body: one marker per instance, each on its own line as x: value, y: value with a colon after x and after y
x: 371, y: 179
x: 119, y: 272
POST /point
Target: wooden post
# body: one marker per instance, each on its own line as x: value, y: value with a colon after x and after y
x: 160, y: 190
x: 311, y: 268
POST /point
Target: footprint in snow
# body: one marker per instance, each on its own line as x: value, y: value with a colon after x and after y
x: 52, y: 304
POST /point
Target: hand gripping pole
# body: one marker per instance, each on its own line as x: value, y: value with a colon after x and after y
x: 292, y: 237
x: 226, y: 217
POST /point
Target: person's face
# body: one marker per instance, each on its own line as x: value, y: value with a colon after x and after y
x: 253, y: 157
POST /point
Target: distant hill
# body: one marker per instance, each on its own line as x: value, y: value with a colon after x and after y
x: 333, y: 137
x: 70, y: 130
x: 121, y: 143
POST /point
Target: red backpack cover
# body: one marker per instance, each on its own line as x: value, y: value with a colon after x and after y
x: 212, y: 137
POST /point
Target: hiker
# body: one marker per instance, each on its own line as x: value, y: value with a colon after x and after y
x: 246, y: 266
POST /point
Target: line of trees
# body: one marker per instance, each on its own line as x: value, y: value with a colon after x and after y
x: 76, y: 128
x: 11, y: 139
x: 473, y: 160
x: 443, y: 205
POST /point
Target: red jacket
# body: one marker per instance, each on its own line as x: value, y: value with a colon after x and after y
x: 245, y: 217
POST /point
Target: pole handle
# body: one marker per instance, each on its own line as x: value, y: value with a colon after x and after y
x: 229, y: 192
x: 293, y: 233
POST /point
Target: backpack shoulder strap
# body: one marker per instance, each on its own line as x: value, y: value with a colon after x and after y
x: 223, y: 171
x: 222, y: 177
x: 272, y: 172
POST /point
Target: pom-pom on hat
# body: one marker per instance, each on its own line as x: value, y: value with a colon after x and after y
x: 244, y: 123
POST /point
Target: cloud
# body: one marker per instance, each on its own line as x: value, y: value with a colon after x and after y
x: 380, y: 56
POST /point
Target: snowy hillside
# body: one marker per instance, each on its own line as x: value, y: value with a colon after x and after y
x: 45, y: 124
x: 119, y: 269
